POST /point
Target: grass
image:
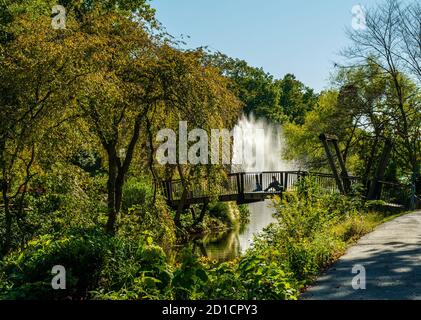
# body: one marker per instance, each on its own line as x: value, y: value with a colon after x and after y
x: 354, y: 228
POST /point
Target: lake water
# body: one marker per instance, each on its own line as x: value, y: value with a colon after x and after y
x: 230, y: 244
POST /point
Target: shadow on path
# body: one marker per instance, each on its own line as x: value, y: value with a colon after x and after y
x: 391, y: 256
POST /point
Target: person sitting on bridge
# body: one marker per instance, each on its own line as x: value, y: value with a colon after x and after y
x: 258, y: 187
x: 275, y: 184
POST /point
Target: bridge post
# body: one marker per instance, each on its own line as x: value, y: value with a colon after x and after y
x: 281, y: 178
x: 238, y: 183
x: 167, y: 190
x: 375, y: 190
x: 286, y: 181
x: 170, y: 195
x: 240, y: 186
x: 324, y: 138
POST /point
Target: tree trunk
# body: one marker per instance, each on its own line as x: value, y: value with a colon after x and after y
x: 111, y: 190
x: 183, y: 199
x: 117, y: 170
x: 5, y: 190
x: 375, y: 188
x: 8, y: 218
x: 118, y: 193
x: 415, y: 172
x: 202, y: 214
x: 370, y: 161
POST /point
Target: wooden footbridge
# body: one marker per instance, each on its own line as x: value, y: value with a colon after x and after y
x: 241, y: 187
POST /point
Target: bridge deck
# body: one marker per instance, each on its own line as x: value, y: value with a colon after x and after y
x: 248, y: 197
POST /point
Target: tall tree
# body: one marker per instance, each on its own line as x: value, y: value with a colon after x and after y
x: 255, y: 88
x: 296, y: 99
x: 37, y: 74
x: 138, y: 83
x: 280, y: 100
x: 380, y: 42
x: 410, y: 45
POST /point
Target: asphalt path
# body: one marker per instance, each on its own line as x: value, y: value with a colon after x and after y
x: 390, y: 257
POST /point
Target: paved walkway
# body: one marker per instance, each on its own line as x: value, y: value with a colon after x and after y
x: 391, y: 256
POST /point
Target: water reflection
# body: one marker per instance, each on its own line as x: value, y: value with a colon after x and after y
x: 223, y: 246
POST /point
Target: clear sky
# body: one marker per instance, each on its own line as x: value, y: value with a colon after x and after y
x: 302, y: 37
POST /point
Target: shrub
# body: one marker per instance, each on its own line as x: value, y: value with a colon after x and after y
x: 142, y: 213
x: 82, y: 253
x: 252, y: 277
x: 244, y: 214
x: 136, y: 192
x: 136, y: 273
x: 266, y: 278
x: 189, y: 278
x: 221, y: 211
x: 307, y: 235
x: 97, y: 266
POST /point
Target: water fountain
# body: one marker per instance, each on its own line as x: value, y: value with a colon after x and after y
x: 259, y: 146
x: 258, y: 138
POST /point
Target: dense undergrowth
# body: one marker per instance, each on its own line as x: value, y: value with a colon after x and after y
x: 312, y: 230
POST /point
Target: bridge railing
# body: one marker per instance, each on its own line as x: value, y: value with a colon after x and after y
x: 246, y: 182
x: 327, y: 181
x: 393, y: 192
x: 288, y: 179
x: 201, y: 188
x: 238, y: 184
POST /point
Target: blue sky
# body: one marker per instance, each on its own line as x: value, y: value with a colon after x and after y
x: 303, y: 37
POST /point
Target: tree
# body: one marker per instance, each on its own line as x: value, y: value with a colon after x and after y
x: 279, y: 101
x: 380, y: 43
x: 296, y: 99
x: 37, y: 74
x: 359, y: 110
x: 194, y: 91
x: 302, y: 140
x: 363, y: 95
x: 114, y: 98
x: 43, y: 72
x: 410, y: 44
x: 135, y: 81
x: 256, y: 89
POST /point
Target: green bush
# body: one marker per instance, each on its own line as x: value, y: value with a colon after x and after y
x: 244, y: 214
x: 135, y: 274
x: 266, y: 279
x: 142, y: 213
x: 189, y: 278
x: 82, y: 253
x: 62, y: 198
x: 253, y: 277
x: 306, y: 234
x: 221, y: 211
x: 136, y: 192
x: 156, y: 280
x: 97, y: 266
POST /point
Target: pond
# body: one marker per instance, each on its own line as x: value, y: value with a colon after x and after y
x: 227, y: 245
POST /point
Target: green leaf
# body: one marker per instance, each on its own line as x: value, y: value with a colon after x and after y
x: 202, y: 275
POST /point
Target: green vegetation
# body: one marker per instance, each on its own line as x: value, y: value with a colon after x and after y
x: 312, y: 230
